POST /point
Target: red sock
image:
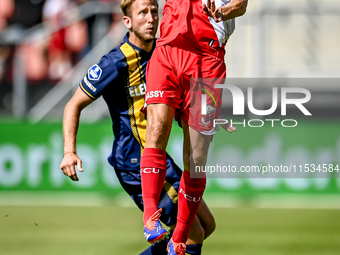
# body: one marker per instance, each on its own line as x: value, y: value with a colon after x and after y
x: 153, y: 167
x: 189, y: 198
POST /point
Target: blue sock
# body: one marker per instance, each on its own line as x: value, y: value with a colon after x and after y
x: 194, y: 249
x: 157, y: 249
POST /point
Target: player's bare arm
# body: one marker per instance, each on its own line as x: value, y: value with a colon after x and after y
x: 70, y: 127
x: 233, y: 9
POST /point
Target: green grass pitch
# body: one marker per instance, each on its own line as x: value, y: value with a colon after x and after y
x: 105, y: 230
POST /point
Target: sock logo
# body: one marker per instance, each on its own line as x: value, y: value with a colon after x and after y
x: 190, y: 198
x: 150, y: 170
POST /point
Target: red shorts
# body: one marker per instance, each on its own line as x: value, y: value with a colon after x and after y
x: 172, y: 78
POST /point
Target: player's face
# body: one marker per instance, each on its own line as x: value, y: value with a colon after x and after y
x: 144, y: 19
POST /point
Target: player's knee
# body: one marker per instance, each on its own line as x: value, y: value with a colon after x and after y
x: 199, y: 158
x: 206, y: 219
x: 158, y: 135
x: 197, y: 234
x: 209, y: 228
x: 195, y: 159
x: 155, y: 131
x: 186, y: 160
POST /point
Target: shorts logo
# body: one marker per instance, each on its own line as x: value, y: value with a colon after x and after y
x: 190, y: 198
x: 134, y: 160
x: 89, y: 84
x: 206, y: 119
x: 155, y: 93
x: 204, y: 99
x: 150, y: 170
x: 94, y: 72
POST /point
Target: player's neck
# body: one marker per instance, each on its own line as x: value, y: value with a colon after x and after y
x: 147, y: 46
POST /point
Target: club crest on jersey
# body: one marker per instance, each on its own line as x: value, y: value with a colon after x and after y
x: 94, y: 72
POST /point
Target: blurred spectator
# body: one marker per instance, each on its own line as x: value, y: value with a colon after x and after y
x: 65, y: 44
x: 27, y: 13
x: 47, y: 59
x: 114, y: 18
x: 6, y: 11
x: 51, y: 58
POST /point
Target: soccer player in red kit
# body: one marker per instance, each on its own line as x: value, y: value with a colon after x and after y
x: 191, y: 45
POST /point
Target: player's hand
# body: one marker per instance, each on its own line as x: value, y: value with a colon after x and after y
x: 211, y: 10
x: 68, y: 164
x: 230, y: 128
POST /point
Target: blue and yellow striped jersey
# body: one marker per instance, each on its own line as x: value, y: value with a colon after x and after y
x: 120, y: 78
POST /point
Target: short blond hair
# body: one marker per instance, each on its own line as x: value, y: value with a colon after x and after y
x: 125, y: 6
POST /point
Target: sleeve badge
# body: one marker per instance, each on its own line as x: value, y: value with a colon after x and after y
x: 94, y: 72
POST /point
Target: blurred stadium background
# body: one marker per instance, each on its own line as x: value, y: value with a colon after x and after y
x: 46, y: 48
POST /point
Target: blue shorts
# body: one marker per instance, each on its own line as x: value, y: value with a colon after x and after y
x: 131, y: 182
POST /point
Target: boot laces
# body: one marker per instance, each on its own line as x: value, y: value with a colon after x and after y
x: 150, y: 224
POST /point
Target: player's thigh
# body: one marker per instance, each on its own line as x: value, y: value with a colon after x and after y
x: 168, y: 77
x: 162, y: 79
x: 163, y: 95
x: 203, y: 93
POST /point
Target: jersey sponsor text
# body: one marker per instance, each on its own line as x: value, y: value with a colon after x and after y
x: 138, y: 90
x: 89, y: 84
x: 155, y: 93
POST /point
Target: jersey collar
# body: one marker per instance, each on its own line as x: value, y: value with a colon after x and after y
x: 126, y: 40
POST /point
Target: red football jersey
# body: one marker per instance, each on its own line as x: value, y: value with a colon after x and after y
x: 185, y: 20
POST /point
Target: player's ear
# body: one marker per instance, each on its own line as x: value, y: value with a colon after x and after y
x: 127, y: 22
